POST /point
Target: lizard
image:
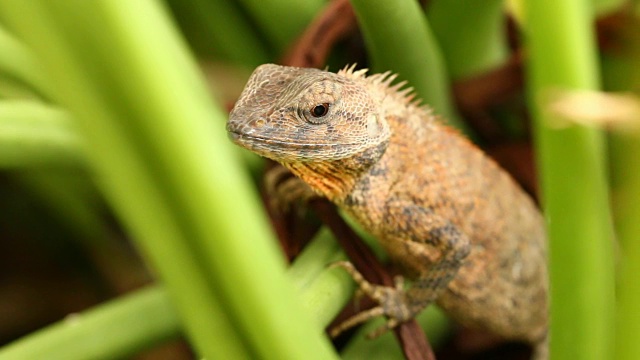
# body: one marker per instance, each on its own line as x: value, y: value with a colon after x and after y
x: 457, y: 224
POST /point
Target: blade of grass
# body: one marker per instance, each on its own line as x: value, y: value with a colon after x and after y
x: 17, y: 62
x: 34, y: 134
x: 12, y: 89
x: 571, y: 158
x: 399, y: 39
x: 117, y: 329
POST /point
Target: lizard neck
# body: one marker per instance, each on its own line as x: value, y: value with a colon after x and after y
x: 335, y: 179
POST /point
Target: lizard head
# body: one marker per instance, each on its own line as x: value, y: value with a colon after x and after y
x: 295, y: 115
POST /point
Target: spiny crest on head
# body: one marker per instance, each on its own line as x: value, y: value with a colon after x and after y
x: 351, y: 72
x: 383, y: 82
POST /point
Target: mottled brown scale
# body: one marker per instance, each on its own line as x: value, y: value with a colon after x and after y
x: 460, y: 227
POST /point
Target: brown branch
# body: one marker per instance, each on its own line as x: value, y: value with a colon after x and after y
x: 360, y: 255
x: 412, y: 339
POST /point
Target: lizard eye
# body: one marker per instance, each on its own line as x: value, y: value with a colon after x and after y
x: 320, y: 110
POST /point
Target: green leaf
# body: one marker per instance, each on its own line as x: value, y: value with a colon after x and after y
x: 562, y: 54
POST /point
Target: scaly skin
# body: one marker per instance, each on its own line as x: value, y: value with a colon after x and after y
x: 458, y: 224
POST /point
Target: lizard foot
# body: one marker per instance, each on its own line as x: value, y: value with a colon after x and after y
x: 286, y: 190
x: 392, y: 301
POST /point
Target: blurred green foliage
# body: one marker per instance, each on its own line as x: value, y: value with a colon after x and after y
x: 108, y: 134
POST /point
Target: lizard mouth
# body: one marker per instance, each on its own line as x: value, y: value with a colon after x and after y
x: 244, y: 139
x: 234, y: 136
x: 288, y: 151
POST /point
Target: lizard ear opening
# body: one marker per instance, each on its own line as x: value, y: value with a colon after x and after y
x: 377, y: 127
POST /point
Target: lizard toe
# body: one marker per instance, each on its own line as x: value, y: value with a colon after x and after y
x: 392, y: 302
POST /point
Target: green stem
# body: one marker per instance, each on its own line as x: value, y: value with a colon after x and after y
x: 621, y: 74
x: 282, y: 20
x: 313, y: 260
x: 35, y: 134
x: 471, y: 35
x: 399, y: 39
x: 220, y: 27
x: 562, y: 56
x: 13, y: 89
x: 604, y: 7
x: 117, y: 329
x: 323, y: 292
x: 19, y: 64
x: 625, y: 157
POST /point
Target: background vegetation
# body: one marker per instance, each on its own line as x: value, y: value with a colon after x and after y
x: 130, y: 223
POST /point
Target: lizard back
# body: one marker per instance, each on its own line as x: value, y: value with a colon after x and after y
x: 502, y: 285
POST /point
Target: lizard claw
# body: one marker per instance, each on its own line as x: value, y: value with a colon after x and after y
x: 392, y: 301
x: 355, y: 320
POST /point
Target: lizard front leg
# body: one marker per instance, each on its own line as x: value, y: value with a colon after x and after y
x: 424, y: 241
x: 286, y: 191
